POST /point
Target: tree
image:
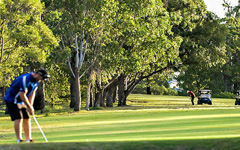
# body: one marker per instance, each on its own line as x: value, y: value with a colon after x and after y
x: 24, y: 38
x: 165, y: 50
x: 230, y: 70
x: 207, y: 56
x: 82, y: 27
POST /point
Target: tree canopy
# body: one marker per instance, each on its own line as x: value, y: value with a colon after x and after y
x: 111, y: 46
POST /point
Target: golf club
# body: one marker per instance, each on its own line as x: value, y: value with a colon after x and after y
x: 40, y: 128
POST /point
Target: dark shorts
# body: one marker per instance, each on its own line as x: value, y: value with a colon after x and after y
x: 17, y: 113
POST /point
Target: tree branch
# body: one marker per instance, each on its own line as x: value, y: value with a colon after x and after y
x: 86, y: 70
x: 62, y: 42
x: 155, y: 72
x: 111, y: 81
x: 1, y: 50
x: 70, y: 67
x: 1, y: 46
x: 83, y: 54
x: 6, y: 58
x: 76, y: 49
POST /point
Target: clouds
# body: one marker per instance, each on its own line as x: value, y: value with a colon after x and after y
x: 216, y: 6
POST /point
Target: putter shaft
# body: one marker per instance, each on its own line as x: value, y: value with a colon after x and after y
x: 40, y: 128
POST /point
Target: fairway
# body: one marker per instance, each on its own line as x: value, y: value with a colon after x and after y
x: 163, y: 122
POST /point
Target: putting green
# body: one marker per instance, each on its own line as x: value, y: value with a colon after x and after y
x: 138, y: 123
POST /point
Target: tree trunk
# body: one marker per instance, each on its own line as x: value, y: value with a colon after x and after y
x: 125, y: 83
x: 88, y: 101
x: 232, y: 88
x: 114, y: 94
x: 98, y: 94
x: 76, y: 91
x: 102, y: 100
x: 125, y: 101
x: 166, y: 4
x: 98, y: 97
x: 99, y: 101
x: 109, y: 97
x: 121, y: 95
x: 198, y: 85
x: 72, y: 87
x: 89, y: 89
x: 225, y: 83
x: 148, y: 87
x: 3, y: 93
x: 111, y: 93
x: 39, y: 102
x: 132, y: 85
x: 75, y: 65
x: 149, y: 90
x: 91, y: 96
x: 131, y: 88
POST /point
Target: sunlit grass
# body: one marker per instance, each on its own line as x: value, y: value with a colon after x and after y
x: 151, y: 118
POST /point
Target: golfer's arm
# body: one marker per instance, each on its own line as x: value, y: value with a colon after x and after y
x: 32, y: 97
x: 24, y: 98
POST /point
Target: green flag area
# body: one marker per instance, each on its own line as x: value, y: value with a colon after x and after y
x: 148, y: 122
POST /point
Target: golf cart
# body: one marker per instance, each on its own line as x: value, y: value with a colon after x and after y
x: 237, y: 102
x: 204, y: 97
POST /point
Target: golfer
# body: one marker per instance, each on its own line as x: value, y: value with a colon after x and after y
x: 192, y: 96
x: 19, y: 100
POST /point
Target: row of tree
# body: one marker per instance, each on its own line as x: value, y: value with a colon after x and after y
x: 219, y: 69
x: 107, y: 47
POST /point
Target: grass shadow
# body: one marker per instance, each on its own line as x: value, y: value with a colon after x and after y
x: 203, y: 144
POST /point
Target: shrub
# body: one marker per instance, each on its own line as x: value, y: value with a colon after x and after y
x: 225, y: 95
x: 183, y: 93
x: 158, y: 90
x: 172, y: 92
x: 48, y: 111
x: 162, y: 90
x: 155, y: 89
x: 140, y: 89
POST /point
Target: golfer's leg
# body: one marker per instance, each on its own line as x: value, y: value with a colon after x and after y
x: 192, y: 101
x: 18, y: 128
x: 27, y: 128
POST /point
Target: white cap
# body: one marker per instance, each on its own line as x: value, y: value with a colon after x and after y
x: 187, y: 91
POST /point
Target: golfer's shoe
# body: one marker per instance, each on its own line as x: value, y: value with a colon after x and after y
x: 30, y: 141
x: 19, y: 141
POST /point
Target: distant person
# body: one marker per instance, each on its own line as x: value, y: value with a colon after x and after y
x: 192, y: 96
x: 209, y: 94
x: 19, y: 100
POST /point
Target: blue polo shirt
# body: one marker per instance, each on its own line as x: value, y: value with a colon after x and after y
x: 23, y: 83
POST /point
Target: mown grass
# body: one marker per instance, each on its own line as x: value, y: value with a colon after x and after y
x: 148, y: 122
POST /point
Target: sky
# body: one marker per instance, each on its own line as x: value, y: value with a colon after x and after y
x: 216, y: 6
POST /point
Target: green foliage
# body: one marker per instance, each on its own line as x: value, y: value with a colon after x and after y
x: 57, y: 87
x: 140, y: 89
x: 24, y: 39
x: 155, y: 89
x: 225, y: 95
x: 135, y: 38
x: 207, y: 55
x: 162, y: 90
x: 47, y: 111
x: 183, y: 93
x: 214, y: 64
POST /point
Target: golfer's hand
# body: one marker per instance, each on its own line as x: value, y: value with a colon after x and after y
x: 30, y: 110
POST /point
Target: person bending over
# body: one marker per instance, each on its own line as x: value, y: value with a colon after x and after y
x: 19, y: 100
x: 192, y: 96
